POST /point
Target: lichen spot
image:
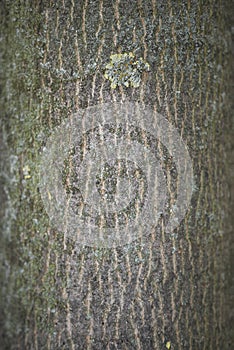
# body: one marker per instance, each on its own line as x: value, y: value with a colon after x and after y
x: 124, y: 69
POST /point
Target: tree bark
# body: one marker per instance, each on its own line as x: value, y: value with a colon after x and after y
x: 174, y: 291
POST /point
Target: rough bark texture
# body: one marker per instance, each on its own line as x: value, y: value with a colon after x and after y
x: 176, y: 288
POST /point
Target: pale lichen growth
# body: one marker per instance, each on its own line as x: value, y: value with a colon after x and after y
x: 125, y: 70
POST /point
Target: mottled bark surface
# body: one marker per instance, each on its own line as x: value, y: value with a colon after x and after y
x: 175, y: 288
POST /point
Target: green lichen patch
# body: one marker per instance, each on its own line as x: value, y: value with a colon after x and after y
x: 125, y: 70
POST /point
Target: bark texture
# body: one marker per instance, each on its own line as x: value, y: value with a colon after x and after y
x: 175, y: 288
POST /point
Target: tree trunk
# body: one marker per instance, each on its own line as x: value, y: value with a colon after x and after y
x: 164, y: 289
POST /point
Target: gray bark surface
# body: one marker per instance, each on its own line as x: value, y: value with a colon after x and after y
x: 177, y: 288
